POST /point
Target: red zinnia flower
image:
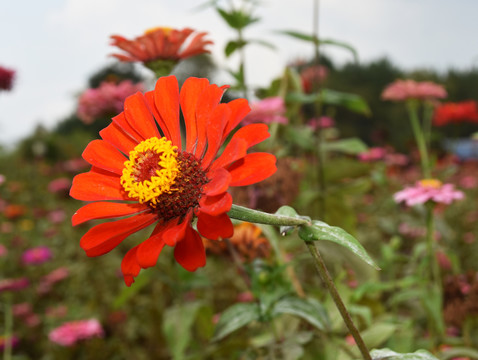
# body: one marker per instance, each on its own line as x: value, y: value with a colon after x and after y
x: 6, y: 78
x: 452, y: 112
x: 161, y: 43
x: 168, y: 180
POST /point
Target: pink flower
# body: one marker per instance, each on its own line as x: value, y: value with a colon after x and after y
x: 51, y: 279
x: 401, y: 90
x: 3, y: 251
x: 59, y: 186
x: 2, y: 179
x: 312, y: 76
x: 70, y: 333
x: 13, y: 284
x: 6, y: 78
x: 106, y: 100
x: 428, y: 190
x: 468, y: 182
x: 324, y: 122
x: 37, y: 255
x: 269, y: 110
x: 57, y: 216
x: 22, y: 309
x: 372, y: 154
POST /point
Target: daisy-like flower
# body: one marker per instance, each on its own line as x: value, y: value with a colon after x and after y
x: 150, y: 172
x: 428, y: 190
x: 72, y: 332
x: 402, y: 90
x: 158, y: 46
x: 37, y: 255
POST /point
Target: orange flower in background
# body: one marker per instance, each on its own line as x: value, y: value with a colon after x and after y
x: 161, y: 44
x: 166, y: 179
x: 248, y: 242
x: 454, y: 112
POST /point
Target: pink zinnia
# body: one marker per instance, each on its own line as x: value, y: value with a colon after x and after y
x: 312, y: 76
x: 106, y: 100
x: 401, y: 90
x: 37, y: 255
x: 70, y: 333
x: 6, y: 78
x: 428, y: 190
x: 13, y: 284
x: 269, y: 110
x: 372, y: 154
x: 59, y: 186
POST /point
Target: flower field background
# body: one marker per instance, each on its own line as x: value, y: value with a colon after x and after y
x: 389, y: 156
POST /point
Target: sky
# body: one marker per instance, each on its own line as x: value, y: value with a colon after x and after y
x: 56, y: 45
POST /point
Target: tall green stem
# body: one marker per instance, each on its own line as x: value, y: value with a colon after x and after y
x: 329, y: 282
x: 412, y: 107
x: 434, y: 268
x: 242, y: 63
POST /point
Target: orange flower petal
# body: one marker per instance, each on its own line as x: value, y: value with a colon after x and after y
x: 216, y: 205
x: 235, y: 150
x: 104, y: 210
x: 103, y: 238
x: 214, y: 132
x: 175, y: 234
x: 239, y: 109
x: 252, y: 169
x: 208, y: 100
x: 215, y: 227
x: 166, y: 99
x: 130, y: 267
x: 118, y: 138
x: 149, y: 250
x: 190, y: 252
x: 104, y: 156
x: 139, y: 116
x: 253, y: 134
x: 220, y: 180
x: 190, y: 92
x: 97, y: 185
x: 121, y: 121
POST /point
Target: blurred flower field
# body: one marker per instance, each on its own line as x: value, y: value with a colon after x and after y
x: 172, y: 218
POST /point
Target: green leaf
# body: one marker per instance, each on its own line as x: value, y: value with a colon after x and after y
x: 387, y: 354
x: 263, y: 43
x: 232, y: 46
x: 177, y: 324
x: 322, y: 231
x: 308, y: 309
x: 237, y: 19
x: 235, y: 317
x: 352, y: 146
x: 349, y: 101
x: 377, y: 334
x: 313, y: 39
x: 459, y: 352
x: 286, y: 211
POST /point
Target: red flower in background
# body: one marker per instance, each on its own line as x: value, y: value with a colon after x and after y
x: 312, y: 76
x: 165, y: 180
x: 454, y: 112
x: 161, y: 43
x: 6, y: 78
x: 402, y: 90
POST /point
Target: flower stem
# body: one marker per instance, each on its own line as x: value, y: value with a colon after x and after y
x: 329, y: 282
x: 419, y: 137
x: 7, y: 350
x: 245, y: 214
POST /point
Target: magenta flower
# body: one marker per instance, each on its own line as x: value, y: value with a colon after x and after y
x: 13, y: 284
x: 402, y: 90
x: 269, y: 110
x: 106, y: 100
x: 6, y: 78
x: 428, y: 190
x: 47, y: 281
x: 70, y: 333
x: 372, y: 154
x: 37, y: 255
x: 13, y: 341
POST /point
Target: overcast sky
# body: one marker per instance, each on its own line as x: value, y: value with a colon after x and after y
x: 55, y: 45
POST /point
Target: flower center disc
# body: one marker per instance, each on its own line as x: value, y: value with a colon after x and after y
x: 431, y: 183
x: 168, y: 180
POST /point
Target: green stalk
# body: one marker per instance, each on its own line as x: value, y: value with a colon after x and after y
x: 7, y: 350
x: 419, y: 137
x: 245, y: 214
x: 434, y: 268
x: 329, y: 282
